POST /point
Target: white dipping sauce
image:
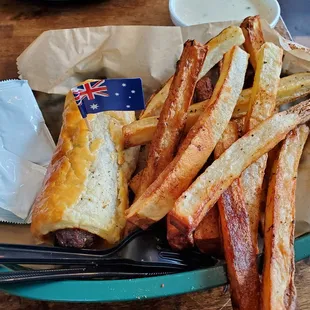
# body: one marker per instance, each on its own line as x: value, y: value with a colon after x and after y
x: 206, y: 11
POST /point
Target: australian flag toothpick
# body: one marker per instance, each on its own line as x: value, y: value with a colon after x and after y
x: 109, y: 95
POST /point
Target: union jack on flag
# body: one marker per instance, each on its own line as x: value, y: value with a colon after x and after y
x: 109, y: 95
x: 89, y: 91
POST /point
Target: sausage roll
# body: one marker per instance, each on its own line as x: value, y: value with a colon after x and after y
x: 84, y: 194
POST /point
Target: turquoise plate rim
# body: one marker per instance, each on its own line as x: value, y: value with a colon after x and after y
x: 133, y: 289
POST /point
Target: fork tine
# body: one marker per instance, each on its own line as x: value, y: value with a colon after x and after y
x: 170, y: 254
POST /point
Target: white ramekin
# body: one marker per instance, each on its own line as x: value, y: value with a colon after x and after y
x: 273, y: 6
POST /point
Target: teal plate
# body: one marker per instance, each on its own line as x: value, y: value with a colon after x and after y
x: 134, y: 289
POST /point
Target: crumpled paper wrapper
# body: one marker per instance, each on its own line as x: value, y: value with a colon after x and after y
x: 59, y: 59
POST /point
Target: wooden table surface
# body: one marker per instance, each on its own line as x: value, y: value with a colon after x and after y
x: 20, y: 23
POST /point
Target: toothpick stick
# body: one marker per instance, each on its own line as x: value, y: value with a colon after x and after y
x: 87, y: 124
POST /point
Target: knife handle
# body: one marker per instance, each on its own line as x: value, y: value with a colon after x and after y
x: 82, y: 273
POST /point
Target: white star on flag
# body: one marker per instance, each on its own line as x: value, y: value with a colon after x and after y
x: 133, y: 91
x: 116, y: 94
x: 128, y: 106
x: 94, y: 106
x: 123, y: 84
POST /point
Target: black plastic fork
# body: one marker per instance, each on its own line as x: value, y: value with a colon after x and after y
x: 140, y: 249
x: 78, y: 273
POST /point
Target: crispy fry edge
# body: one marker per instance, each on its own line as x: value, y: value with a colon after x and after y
x: 261, y: 106
x: 217, y: 46
x: 254, y: 38
x: 159, y: 198
x: 174, y: 113
x: 232, y: 162
x: 207, y: 236
x: 278, y: 276
x: 239, y: 250
x: 291, y: 88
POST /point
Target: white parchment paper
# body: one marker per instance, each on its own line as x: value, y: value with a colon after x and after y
x: 59, y: 59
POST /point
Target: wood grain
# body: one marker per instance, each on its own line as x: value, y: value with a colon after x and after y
x: 20, y: 23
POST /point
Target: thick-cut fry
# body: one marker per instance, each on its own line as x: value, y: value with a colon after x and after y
x: 254, y: 38
x: 278, y: 277
x: 174, y: 113
x: 199, y: 143
x: 220, y: 45
x: 217, y: 47
x: 207, y: 235
x: 140, y: 132
x: 265, y: 87
x: 134, y: 183
x: 239, y: 250
x: 207, y: 188
x: 156, y: 101
x: 261, y: 106
x: 176, y: 240
x: 272, y: 154
x: 240, y: 253
x: 291, y: 88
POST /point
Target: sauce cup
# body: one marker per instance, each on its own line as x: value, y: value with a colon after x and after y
x: 193, y: 12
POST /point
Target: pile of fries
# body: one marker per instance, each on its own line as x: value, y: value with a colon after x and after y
x: 220, y: 161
